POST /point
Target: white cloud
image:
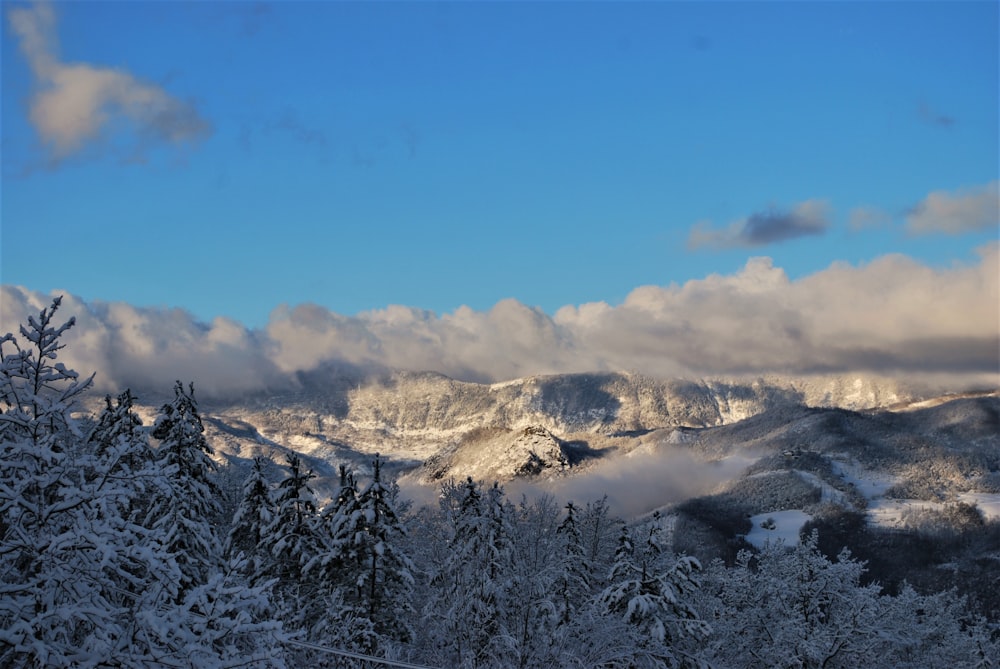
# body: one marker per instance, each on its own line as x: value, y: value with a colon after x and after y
x: 891, y: 316
x: 966, y: 210
x: 148, y: 348
x: 76, y: 104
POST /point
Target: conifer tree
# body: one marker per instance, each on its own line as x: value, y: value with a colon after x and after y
x: 334, y: 529
x: 251, y: 521
x: 384, y: 581
x: 288, y: 543
x: 82, y: 583
x: 368, y: 577
x: 574, y: 574
x: 46, y: 617
x: 187, y: 500
x: 290, y: 536
x: 473, y: 583
x: 327, y: 614
x: 653, y: 598
x: 119, y: 426
x: 122, y: 453
x: 74, y: 568
x: 530, y: 610
x: 600, y: 532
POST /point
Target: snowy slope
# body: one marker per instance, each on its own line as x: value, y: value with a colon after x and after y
x: 557, y: 425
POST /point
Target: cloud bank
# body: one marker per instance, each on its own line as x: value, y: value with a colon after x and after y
x: 767, y: 227
x: 894, y: 316
x: 76, y: 104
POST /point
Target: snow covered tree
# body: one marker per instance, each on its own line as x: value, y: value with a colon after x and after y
x: 330, y: 612
x: 334, y: 529
x: 119, y: 426
x: 187, y: 500
x: 82, y: 583
x: 384, y: 581
x: 530, y: 610
x: 288, y: 541
x: 600, y: 532
x: 220, y: 623
x: 74, y: 567
x: 122, y: 452
x: 37, y: 431
x: 290, y: 536
x: 933, y: 631
x: 46, y: 616
x: 653, y: 598
x: 573, y: 583
x: 368, y: 574
x: 792, y: 607
x: 473, y: 584
x: 251, y: 521
x: 208, y: 615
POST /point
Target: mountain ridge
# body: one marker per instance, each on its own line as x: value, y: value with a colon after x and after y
x: 416, y: 418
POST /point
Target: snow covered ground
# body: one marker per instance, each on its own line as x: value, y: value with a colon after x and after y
x: 868, y: 483
x: 890, y: 512
x: 882, y: 511
x: 988, y: 503
x: 786, y: 527
x: 827, y: 492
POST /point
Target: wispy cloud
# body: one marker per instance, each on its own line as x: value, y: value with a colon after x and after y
x: 892, y: 316
x: 288, y: 122
x: 765, y: 227
x: 934, y: 117
x: 865, y: 217
x: 966, y: 210
x: 77, y: 104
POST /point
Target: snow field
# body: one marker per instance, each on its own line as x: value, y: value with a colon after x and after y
x: 787, y: 525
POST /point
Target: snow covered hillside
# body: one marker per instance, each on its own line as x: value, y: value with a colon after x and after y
x: 414, y: 419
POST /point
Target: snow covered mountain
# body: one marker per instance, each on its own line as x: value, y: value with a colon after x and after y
x: 541, y: 426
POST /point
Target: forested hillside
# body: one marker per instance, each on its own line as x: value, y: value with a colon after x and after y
x: 123, y: 545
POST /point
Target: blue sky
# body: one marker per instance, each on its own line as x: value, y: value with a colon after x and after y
x: 226, y: 158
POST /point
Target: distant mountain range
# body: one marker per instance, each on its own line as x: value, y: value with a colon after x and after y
x: 435, y: 427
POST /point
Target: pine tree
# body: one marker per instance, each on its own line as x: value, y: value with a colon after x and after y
x: 368, y: 576
x: 82, y: 583
x: 655, y: 600
x: 600, y: 532
x: 225, y: 623
x: 334, y: 530
x: 574, y: 578
x: 290, y: 537
x: 530, y: 611
x: 121, y: 449
x: 186, y: 502
x: 119, y: 426
x: 75, y: 570
x: 384, y: 582
x: 327, y: 614
x: 47, y: 617
x: 474, y: 582
x: 253, y: 517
